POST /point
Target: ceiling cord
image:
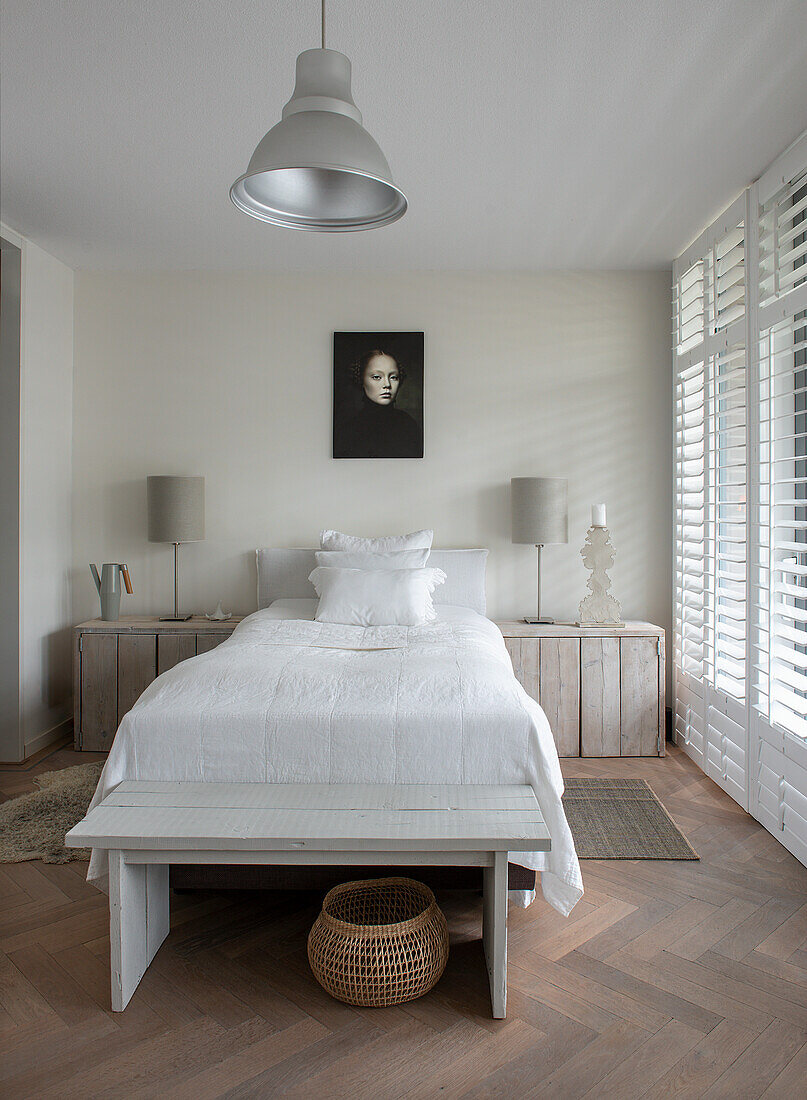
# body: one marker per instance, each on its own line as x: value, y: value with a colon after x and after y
x: 323, y: 24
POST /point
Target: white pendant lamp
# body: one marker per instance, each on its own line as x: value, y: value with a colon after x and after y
x: 318, y: 168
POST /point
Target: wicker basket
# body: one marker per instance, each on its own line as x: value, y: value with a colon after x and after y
x: 378, y: 942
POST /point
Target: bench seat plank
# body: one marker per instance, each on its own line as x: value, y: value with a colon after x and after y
x: 166, y: 827
x: 325, y: 796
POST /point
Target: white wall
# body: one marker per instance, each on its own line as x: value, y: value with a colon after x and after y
x: 46, y: 423
x: 10, y: 301
x: 563, y: 374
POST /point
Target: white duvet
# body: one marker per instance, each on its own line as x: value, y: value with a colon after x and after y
x: 289, y: 700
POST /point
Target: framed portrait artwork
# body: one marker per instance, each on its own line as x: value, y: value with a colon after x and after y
x: 378, y: 395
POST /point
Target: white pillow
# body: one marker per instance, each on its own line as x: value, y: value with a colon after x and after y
x: 364, y: 597
x: 364, y: 559
x: 335, y: 540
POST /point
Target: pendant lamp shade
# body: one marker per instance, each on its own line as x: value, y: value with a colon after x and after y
x: 318, y: 168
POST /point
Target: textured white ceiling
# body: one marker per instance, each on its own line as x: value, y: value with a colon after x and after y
x: 527, y: 134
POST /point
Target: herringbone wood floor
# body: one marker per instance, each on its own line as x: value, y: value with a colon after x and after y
x: 668, y: 979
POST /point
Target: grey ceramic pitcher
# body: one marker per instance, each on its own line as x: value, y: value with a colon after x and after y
x: 109, y: 588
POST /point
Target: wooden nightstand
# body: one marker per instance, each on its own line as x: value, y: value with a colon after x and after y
x: 602, y: 688
x: 113, y: 663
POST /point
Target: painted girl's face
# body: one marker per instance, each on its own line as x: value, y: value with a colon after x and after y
x: 381, y: 379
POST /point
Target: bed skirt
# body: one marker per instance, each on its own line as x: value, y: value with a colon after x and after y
x: 232, y: 877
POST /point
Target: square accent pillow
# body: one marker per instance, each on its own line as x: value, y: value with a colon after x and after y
x: 377, y: 597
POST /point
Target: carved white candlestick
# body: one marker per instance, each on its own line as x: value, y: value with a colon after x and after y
x: 599, y: 607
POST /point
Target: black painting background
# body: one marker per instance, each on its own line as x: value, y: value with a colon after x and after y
x: 406, y: 347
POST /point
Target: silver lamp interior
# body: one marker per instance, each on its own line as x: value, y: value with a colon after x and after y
x: 324, y: 199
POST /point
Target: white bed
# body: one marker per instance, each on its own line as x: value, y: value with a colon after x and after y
x: 287, y: 699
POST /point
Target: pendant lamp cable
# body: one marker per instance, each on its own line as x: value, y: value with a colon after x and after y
x: 323, y: 24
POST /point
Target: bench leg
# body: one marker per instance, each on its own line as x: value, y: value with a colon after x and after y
x: 138, y: 922
x: 494, y: 932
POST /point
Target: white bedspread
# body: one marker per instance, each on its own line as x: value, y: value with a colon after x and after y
x: 295, y: 701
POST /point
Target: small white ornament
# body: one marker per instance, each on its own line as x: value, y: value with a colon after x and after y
x: 599, y: 608
x: 219, y: 616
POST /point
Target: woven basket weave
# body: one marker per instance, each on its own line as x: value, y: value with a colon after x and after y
x: 378, y: 942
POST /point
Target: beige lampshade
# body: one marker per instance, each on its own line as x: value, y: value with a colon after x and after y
x: 176, y: 509
x: 540, y: 513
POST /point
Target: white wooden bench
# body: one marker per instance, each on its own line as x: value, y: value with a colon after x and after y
x: 148, y: 826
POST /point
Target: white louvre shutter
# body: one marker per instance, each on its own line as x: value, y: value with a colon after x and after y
x: 690, y: 307
x: 726, y: 575
x: 783, y: 524
x: 726, y: 552
x: 728, y: 278
x: 782, y: 244
x: 710, y: 645
x: 779, y: 725
x: 690, y: 547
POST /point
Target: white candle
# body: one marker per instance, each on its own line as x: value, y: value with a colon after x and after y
x: 598, y: 515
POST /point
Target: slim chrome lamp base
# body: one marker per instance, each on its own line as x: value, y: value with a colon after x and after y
x: 538, y: 619
x: 176, y: 617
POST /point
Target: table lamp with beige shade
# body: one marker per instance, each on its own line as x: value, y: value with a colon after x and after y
x: 176, y: 513
x: 539, y: 516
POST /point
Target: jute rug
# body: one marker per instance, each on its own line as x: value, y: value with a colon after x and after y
x: 621, y: 819
x: 33, y: 826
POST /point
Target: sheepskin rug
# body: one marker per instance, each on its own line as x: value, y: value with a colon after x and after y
x: 33, y: 826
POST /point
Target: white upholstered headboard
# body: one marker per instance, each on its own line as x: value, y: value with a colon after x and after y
x: 284, y: 574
